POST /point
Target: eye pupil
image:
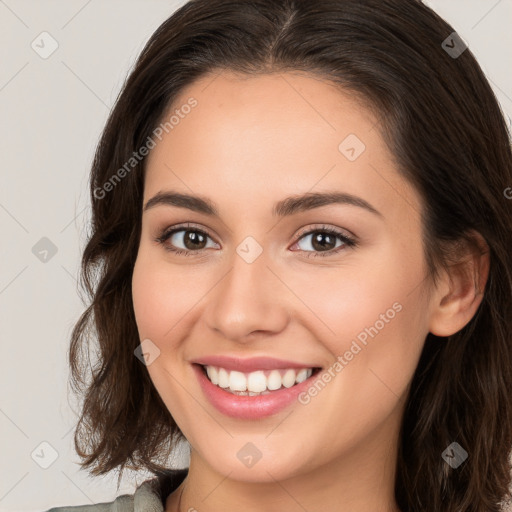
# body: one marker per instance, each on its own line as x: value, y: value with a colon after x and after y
x: 195, y: 238
x: 317, y: 242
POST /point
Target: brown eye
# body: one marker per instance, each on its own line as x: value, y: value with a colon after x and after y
x: 192, y: 240
x: 183, y: 240
x: 321, y: 241
x: 324, y: 242
x: 186, y: 240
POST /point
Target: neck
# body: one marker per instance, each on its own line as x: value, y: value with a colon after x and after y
x: 361, y: 479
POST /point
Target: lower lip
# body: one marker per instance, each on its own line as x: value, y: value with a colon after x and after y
x: 249, y: 407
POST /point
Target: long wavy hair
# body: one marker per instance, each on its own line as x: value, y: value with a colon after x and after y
x: 443, y: 124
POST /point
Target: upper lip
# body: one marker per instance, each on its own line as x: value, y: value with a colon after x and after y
x: 249, y: 364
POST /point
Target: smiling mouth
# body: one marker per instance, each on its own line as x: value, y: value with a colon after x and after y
x: 259, y: 382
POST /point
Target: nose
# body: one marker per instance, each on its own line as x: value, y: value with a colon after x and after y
x: 250, y: 299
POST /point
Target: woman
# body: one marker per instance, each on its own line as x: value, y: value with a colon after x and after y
x: 300, y: 263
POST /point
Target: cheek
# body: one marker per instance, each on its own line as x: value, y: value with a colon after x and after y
x: 161, y: 295
x: 160, y: 305
x: 376, y: 330
x: 365, y: 290
x: 372, y: 315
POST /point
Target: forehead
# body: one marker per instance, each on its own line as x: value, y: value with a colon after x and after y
x: 289, y: 106
x: 252, y: 137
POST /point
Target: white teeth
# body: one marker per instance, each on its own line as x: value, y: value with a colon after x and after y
x: 289, y: 378
x: 257, y: 382
x: 213, y: 374
x: 274, y: 380
x: 223, y: 378
x: 237, y: 381
x: 302, y: 375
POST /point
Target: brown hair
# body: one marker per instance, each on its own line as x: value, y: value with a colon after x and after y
x: 444, y: 127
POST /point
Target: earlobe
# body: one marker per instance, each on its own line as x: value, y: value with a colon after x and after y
x: 461, y: 289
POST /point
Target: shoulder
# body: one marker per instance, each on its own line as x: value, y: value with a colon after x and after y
x: 148, y: 497
x: 123, y: 503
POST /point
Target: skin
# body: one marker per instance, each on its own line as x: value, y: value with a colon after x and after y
x: 250, y: 142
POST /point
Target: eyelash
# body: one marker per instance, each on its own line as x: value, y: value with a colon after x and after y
x: 348, y: 241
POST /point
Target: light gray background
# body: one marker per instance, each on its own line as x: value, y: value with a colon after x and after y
x: 52, y: 113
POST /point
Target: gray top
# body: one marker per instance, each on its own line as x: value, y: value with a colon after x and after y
x: 149, y: 496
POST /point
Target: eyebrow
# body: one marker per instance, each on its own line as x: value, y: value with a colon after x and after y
x: 286, y: 207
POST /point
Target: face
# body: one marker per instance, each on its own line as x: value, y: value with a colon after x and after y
x: 338, y: 286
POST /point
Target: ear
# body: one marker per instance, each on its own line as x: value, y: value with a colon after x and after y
x: 461, y: 288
